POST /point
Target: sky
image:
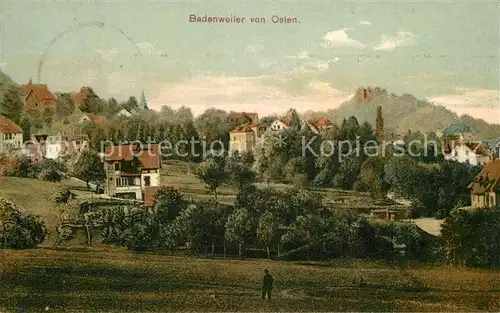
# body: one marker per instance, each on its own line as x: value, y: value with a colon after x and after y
x: 445, y: 52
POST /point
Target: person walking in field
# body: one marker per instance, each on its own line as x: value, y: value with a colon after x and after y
x: 267, y: 285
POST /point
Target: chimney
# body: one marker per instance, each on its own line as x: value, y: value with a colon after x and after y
x: 30, y: 82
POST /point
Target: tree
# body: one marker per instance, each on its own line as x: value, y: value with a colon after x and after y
x: 168, y: 203
x: 64, y: 105
x: 202, y: 224
x: 50, y: 170
x: 212, y: 173
x: 239, y: 175
x: 92, y: 103
x: 371, y: 176
x: 239, y: 227
x: 12, y: 105
x: 19, y: 231
x: 379, y: 124
x: 87, y: 166
x: 267, y: 230
x: 62, y: 195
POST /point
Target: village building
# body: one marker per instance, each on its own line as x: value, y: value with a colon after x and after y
x: 243, y: 138
x: 125, y: 112
x: 36, y: 148
x: 92, y: 118
x: 458, y: 132
x: 485, y: 188
x: 142, y: 106
x: 37, y: 96
x: 132, y: 171
x: 11, y: 136
x: 280, y: 124
x: 473, y: 153
x: 493, y: 146
x: 57, y: 147
x: 319, y: 125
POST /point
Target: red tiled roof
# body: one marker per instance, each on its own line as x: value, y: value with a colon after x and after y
x: 477, y: 148
x: 8, y: 126
x: 487, y: 179
x: 150, y: 193
x: 96, y: 118
x: 41, y: 91
x: 285, y: 121
x: 236, y: 115
x: 242, y: 129
x: 323, y: 122
x: 148, y: 155
x: 312, y: 126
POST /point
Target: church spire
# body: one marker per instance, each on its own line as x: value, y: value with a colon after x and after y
x: 143, y: 105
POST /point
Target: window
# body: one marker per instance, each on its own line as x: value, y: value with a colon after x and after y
x: 122, y: 181
x: 117, y: 166
x: 147, y: 180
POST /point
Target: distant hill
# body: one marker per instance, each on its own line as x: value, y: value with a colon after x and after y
x: 405, y: 112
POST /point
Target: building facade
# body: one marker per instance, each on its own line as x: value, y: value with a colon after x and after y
x: 38, y: 96
x: 243, y: 139
x: 36, y: 148
x: 58, y: 147
x: 279, y: 124
x: 132, y: 171
x: 473, y: 153
x: 484, y: 188
x: 11, y: 137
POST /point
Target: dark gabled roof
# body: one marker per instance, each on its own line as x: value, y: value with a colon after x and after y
x: 456, y: 129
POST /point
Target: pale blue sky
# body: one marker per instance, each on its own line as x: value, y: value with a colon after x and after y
x: 447, y: 52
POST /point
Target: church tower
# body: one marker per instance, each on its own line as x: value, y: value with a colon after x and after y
x: 143, y: 105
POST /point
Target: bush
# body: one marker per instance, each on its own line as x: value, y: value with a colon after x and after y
x: 471, y: 238
x: 50, y: 170
x: 62, y: 195
x: 18, y: 231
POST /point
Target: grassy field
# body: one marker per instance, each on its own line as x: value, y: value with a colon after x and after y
x: 178, y: 173
x: 34, y: 197
x: 117, y: 281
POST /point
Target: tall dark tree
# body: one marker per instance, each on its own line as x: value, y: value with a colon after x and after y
x: 379, y: 124
x: 12, y: 105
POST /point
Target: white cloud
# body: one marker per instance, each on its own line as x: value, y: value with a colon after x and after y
x: 147, y: 48
x: 238, y: 93
x: 300, y: 56
x: 365, y: 23
x: 108, y: 55
x: 339, y: 38
x: 389, y: 43
x: 253, y: 48
x: 322, y: 65
x: 479, y: 103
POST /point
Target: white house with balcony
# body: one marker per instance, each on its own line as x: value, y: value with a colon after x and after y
x: 131, y: 170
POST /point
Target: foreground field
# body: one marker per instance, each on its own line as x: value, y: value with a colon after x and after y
x: 113, y: 280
